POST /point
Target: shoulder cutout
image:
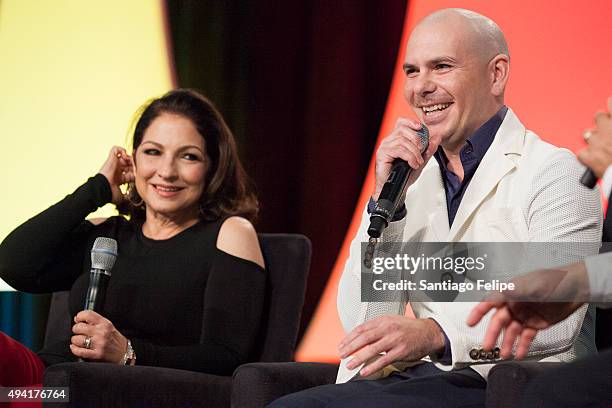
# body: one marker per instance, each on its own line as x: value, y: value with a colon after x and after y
x: 237, y: 237
x: 96, y: 221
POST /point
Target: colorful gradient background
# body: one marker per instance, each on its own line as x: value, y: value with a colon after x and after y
x: 302, y: 85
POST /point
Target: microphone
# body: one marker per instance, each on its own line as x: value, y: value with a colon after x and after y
x: 588, y: 179
x: 103, y: 256
x: 393, y: 190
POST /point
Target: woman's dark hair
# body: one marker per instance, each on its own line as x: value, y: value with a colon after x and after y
x: 227, y: 190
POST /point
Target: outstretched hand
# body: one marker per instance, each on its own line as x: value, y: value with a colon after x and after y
x: 541, y: 298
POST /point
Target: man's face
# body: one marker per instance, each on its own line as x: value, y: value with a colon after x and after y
x: 447, y: 83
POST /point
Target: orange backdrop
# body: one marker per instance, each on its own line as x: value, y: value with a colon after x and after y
x: 560, y: 75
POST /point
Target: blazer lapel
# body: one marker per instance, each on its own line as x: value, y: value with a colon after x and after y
x: 497, y: 162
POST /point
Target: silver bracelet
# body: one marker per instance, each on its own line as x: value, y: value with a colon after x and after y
x: 129, y: 358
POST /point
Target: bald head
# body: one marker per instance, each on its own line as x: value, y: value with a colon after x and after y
x: 480, y: 34
x: 456, y: 68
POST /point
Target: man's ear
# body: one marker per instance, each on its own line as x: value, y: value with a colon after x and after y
x: 499, y: 69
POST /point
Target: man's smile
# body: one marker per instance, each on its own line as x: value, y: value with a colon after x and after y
x: 433, y: 113
x: 428, y: 110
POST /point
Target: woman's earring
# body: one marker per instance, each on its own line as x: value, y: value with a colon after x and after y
x: 131, y: 193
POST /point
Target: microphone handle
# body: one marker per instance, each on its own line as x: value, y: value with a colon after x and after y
x: 588, y: 179
x: 389, y: 198
x: 98, y: 283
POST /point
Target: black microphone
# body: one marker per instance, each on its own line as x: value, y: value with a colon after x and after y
x: 393, y: 190
x: 103, y: 256
x: 588, y: 179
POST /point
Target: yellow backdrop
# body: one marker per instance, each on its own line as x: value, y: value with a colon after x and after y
x: 71, y: 75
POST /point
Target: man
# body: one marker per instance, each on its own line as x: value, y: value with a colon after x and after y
x: 490, y: 180
x: 554, y: 299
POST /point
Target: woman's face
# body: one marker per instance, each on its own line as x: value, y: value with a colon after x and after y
x: 170, y: 166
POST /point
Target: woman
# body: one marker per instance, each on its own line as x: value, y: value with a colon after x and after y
x: 187, y: 287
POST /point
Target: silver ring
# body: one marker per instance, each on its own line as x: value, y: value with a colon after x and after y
x: 87, y: 342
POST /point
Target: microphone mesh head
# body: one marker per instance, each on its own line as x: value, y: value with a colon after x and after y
x: 423, y: 133
x: 103, y: 253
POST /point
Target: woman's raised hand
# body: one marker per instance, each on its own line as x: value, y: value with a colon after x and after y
x: 118, y: 169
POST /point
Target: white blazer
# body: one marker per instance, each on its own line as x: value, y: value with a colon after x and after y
x: 523, y: 190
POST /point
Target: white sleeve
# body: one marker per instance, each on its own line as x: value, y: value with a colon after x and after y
x: 351, y: 309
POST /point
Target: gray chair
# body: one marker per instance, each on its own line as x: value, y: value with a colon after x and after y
x: 287, y: 259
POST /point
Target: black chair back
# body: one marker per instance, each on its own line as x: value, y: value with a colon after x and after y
x: 287, y: 258
x: 59, y: 320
